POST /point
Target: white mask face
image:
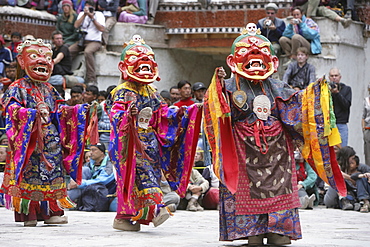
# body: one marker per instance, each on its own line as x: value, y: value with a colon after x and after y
x: 262, y: 107
x: 144, y: 117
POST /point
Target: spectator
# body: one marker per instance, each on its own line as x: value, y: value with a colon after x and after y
x: 130, y: 5
x: 306, y: 177
x: 272, y: 27
x: 62, y: 63
x: 2, y: 157
x: 93, y: 23
x: 5, y: 56
x: 153, y: 6
x: 300, y: 73
x: 345, y: 157
x: 91, y: 94
x: 103, y: 125
x: 102, y: 96
x: 342, y: 98
x: 9, y: 76
x: 300, y: 31
x: 198, y: 185
x: 365, y: 123
x: 4, y: 140
x: 170, y: 197
x: 350, y: 10
x: 99, y: 171
x: 362, y: 178
x: 175, y: 95
x: 76, y: 96
x: 16, y: 40
x: 87, y: 158
x: 316, y: 8
x: 199, y: 90
x: 109, y: 9
x: 66, y: 23
x: 140, y: 16
x: 211, y: 197
x: 185, y: 94
x: 166, y: 97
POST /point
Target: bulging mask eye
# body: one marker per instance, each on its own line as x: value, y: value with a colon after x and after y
x: 132, y: 58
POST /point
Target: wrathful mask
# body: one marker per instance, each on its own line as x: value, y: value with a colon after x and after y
x: 253, y: 56
x: 138, y: 63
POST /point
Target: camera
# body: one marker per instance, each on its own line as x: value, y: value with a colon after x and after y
x: 268, y: 23
x: 91, y: 9
x: 295, y: 21
x: 82, y: 33
x: 332, y: 85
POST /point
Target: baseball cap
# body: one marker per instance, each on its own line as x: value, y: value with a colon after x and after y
x: 165, y: 94
x: 100, y: 146
x: 198, y: 85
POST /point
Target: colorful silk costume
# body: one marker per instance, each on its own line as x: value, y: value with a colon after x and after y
x: 158, y: 138
x: 42, y: 150
x: 260, y: 194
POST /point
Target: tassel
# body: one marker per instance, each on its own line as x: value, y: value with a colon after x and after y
x: 65, y: 203
x: 17, y: 204
x: 8, y: 202
x: 141, y: 215
x: 25, y: 206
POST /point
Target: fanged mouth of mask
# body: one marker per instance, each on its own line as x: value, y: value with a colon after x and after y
x: 144, y: 68
x: 255, y: 63
x: 41, y: 70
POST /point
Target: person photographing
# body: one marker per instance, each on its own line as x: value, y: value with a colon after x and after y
x: 92, y: 24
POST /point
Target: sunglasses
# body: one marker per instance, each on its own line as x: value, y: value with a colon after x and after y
x: 270, y: 13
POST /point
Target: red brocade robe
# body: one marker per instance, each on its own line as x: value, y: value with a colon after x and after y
x: 41, y: 155
x: 254, y: 158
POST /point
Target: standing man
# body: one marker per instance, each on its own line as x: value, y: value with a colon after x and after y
x: 185, y: 94
x: 40, y: 131
x: 300, y: 73
x: 272, y: 27
x: 342, y: 100
x: 92, y: 25
x: 109, y: 9
x: 199, y: 90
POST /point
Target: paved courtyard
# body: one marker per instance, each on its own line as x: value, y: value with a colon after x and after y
x: 321, y: 227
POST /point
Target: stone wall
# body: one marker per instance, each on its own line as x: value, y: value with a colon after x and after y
x: 40, y: 24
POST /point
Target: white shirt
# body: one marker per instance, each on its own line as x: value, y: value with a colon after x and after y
x: 93, y: 34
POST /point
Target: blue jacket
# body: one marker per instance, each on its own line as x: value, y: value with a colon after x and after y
x: 104, y: 173
x: 309, y: 30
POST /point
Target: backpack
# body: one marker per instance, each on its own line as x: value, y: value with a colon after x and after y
x: 94, y: 198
